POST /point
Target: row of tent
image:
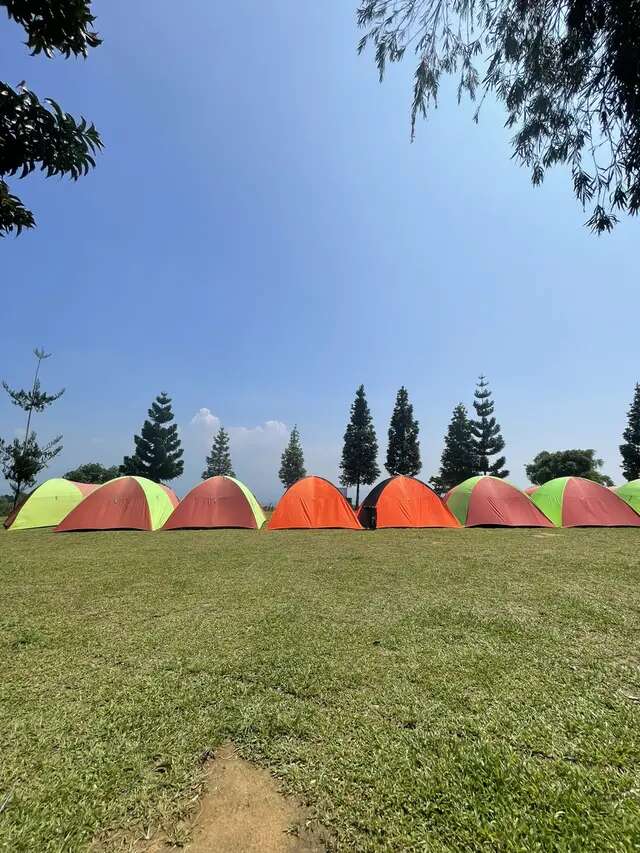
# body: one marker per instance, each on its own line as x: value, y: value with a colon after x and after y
x: 135, y: 503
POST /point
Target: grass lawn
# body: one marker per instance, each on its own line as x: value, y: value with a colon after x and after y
x: 421, y: 690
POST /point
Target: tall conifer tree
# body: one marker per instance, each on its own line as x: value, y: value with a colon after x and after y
x: 158, y: 454
x: 292, y: 463
x: 403, y: 450
x: 360, y: 452
x: 630, y: 450
x: 219, y: 460
x: 486, y: 433
x: 459, y: 460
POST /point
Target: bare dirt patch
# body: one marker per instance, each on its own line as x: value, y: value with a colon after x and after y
x: 241, y: 810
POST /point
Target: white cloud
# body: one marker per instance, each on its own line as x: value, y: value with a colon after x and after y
x: 206, y: 420
x: 255, y: 451
x: 264, y: 432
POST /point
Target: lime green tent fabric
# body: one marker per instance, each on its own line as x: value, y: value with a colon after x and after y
x: 160, y: 500
x: 215, y: 503
x: 261, y: 518
x: 493, y: 502
x: 578, y: 502
x: 47, y: 505
x: 458, y: 499
x: 549, y: 498
x: 630, y: 493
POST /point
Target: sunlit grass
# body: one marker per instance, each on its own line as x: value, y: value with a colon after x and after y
x: 425, y: 690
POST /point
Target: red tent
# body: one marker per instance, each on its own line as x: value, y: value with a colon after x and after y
x: 586, y: 503
x: 313, y: 502
x: 531, y: 489
x: 217, y: 502
x: 404, y: 502
x: 492, y: 502
x: 576, y: 502
x: 127, y: 503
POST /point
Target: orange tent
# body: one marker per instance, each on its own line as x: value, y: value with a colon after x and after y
x: 404, y: 502
x: 313, y: 502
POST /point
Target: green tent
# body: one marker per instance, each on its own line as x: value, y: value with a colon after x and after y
x: 47, y: 505
x: 577, y: 502
x: 630, y: 493
x: 493, y: 502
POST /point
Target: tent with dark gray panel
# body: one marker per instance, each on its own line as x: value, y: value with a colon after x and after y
x: 404, y: 502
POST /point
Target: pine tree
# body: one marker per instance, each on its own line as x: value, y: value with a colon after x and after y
x: 403, y: 451
x: 292, y: 463
x: 360, y: 452
x: 219, y: 460
x: 630, y: 450
x: 486, y: 433
x: 158, y: 448
x: 459, y: 460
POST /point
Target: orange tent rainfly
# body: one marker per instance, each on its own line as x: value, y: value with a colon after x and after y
x: 404, y: 502
x: 313, y: 502
x: 127, y: 503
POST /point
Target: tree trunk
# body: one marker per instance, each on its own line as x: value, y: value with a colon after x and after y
x: 15, y: 496
x: 358, y: 493
x: 33, y: 389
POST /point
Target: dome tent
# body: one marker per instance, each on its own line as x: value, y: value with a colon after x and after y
x: 630, y: 494
x: 313, y: 502
x: 49, y: 504
x: 217, y: 502
x: 576, y: 502
x: 126, y: 503
x: 492, y: 502
x: 404, y: 502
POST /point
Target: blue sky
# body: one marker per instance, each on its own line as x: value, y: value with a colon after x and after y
x: 260, y: 237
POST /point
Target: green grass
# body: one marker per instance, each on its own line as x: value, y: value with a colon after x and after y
x: 421, y: 690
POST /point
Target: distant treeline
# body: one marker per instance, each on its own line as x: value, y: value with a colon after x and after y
x: 473, y: 445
